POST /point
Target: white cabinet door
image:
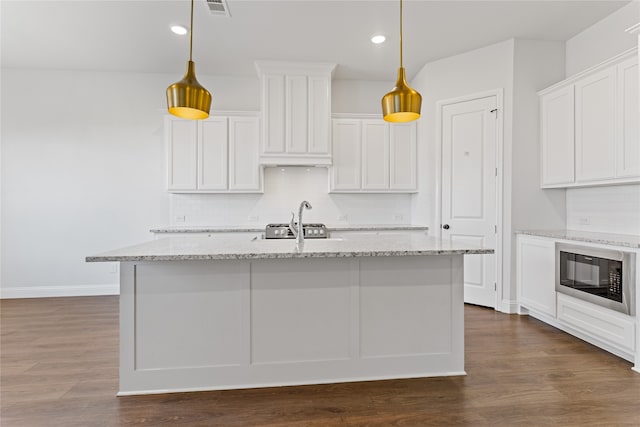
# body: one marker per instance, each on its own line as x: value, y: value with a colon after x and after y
x: 375, y: 155
x: 244, y: 168
x: 536, y: 274
x: 273, y: 110
x: 403, y: 156
x: 557, y: 115
x: 346, y: 170
x: 628, y: 141
x: 595, y: 126
x: 319, y: 115
x: 212, y: 154
x: 297, y: 117
x: 182, y: 155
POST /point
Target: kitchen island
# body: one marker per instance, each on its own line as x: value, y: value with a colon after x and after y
x: 234, y: 312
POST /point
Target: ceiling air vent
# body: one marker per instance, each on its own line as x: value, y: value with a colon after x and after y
x: 219, y: 7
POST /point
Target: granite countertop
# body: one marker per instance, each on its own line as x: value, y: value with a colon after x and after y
x: 187, y: 248
x: 255, y: 229
x: 625, y: 240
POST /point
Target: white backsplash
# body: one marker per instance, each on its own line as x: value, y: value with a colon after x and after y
x: 284, y: 189
x: 614, y: 209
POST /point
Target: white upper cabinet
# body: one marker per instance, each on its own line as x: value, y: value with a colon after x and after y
x: 595, y: 98
x: 182, y: 152
x: 589, y: 127
x: 403, y: 154
x: 216, y: 155
x: 628, y: 137
x: 346, y: 170
x: 212, y: 154
x: 244, y: 168
x: 375, y: 155
x: 296, y: 110
x: 370, y: 155
x: 557, y: 137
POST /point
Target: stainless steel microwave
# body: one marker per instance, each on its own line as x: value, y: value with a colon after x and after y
x: 600, y: 276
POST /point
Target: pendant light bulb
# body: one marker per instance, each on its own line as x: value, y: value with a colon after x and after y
x: 403, y: 103
x: 188, y: 99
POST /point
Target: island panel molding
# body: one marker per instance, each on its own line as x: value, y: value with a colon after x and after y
x: 205, y: 325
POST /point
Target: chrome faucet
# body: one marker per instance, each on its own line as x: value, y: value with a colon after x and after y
x: 298, y: 231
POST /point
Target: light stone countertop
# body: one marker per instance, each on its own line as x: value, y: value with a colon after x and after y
x: 188, y: 248
x: 253, y: 229
x: 624, y: 240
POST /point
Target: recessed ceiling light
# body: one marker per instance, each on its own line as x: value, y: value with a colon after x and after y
x: 179, y: 29
x: 377, y: 39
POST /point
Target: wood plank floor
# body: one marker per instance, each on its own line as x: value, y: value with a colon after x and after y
x: 59, y: 367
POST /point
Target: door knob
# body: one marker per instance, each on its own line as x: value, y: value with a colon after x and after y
x: 445, y: 226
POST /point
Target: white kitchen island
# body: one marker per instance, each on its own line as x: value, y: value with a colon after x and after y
x: 201, y: 313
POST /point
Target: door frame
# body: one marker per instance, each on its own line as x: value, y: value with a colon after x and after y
x: 499, y: 94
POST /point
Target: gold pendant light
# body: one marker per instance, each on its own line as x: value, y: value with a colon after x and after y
x: 403, y: 103
x: 187, y: 98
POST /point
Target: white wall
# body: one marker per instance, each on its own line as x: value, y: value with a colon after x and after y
x: 520, y: 68
x: 613, y: 209
x: 83, y: 171
x: 603, y: 40
x: 537, y: 65
x: 284, y: 189
x: 477, y: 71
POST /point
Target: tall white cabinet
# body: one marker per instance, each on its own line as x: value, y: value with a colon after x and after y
x: 216, y: 155
x: 589, y: 126
x: 296, y: 112
x: 373, y: 156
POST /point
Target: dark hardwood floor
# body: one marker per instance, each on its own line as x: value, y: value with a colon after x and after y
x: 59, y: 367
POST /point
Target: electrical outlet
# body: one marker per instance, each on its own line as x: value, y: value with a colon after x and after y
x: 253, y: 218
x: 398, y: 217
x: 180, y: 218
x: 342, y: 217
x: 584, y: 220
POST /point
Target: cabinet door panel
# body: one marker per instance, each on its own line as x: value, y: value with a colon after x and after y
x: 375, y: 155
x: 212, y: 154
x: 274, y: 113
x: 244, y: 169
x: 557, y: 115
x: 628, y: 146
x: 182, y: 146
x: 297, y: 129
x: 595, y: 126
x: 345, y: 173
x: 403, y: 154
x: 319, y: 113
x: 536, y: 274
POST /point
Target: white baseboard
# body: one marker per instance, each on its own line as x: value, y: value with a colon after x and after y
x: 58, y: 291
x: 508, y: 306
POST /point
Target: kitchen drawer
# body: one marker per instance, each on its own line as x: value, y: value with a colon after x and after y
x: 604, y: 325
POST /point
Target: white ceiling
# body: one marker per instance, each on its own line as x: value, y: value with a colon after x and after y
x: 134, y: 35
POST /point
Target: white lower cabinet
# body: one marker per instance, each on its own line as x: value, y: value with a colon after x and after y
x: 372, y: 156
x: 536, y: 269
x: 536, y: 274
x: 603, y: 325
x: 216, y: 155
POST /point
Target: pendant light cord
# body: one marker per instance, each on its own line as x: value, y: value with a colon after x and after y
x: 400, y: 33
x: 191, y: 34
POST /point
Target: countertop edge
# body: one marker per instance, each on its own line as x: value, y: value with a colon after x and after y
x: 586, y: 236
x: 286, y: 255
x: 205, y: 229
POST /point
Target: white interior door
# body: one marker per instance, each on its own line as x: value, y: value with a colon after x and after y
x: 469, y: 190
